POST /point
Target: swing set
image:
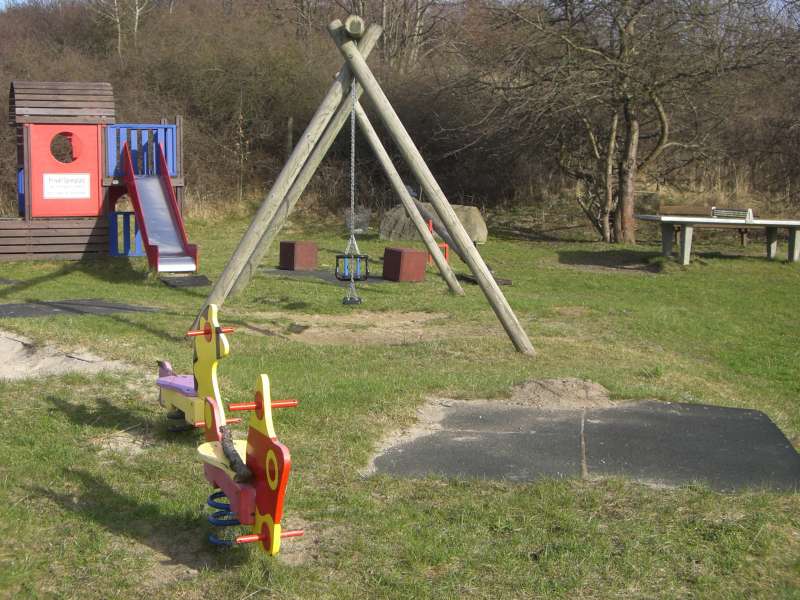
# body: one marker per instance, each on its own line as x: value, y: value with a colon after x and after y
x: 355, y: 42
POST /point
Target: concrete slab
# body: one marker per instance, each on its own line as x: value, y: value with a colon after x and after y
x: 727, y: 448
x: 68, y: 307
x: 518, y: 445
x: 653, y: 442
x: 319, y: 274
x: 185, y: 281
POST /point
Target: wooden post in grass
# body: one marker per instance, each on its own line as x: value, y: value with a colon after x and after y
x: 407, y: 200
x: 494, y: 295
x: 310, y: 166
x: 244, y: 253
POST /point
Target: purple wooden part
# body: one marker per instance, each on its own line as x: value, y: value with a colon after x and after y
x: 183, y: 384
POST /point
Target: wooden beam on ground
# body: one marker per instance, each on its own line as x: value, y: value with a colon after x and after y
x: 407, y: 201
x: 305, y: 145
x: 411, y: 154
x: 286, y: 206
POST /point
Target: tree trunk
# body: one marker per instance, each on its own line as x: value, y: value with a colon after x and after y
x: 608, y: 206
x: 627, y: 175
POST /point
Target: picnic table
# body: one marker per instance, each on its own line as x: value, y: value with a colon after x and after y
x: 739, y: 219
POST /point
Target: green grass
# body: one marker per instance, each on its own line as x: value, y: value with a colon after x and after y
x: 82, y: 519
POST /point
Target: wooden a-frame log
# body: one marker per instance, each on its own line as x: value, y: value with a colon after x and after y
x: 494, y: 295
x: 407, y: 200
x: 310, y: 166
x: 305, y: 145
x: 304, y: 177
x: 439, y: 228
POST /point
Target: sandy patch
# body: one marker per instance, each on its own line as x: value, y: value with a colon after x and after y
x: 129, y: 442
x: 561, y: 394
x: 316, y: 541
x: 364, y: 327
x: 572, y: 311
x: 23, y: 359
x: 180, y: 558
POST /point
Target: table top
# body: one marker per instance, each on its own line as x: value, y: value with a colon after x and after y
x: 720, y: 221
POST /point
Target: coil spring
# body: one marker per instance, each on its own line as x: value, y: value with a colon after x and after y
x: 221, y: 517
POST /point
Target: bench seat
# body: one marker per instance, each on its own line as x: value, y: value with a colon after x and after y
x: 211, y: 453
x: 183, y: 384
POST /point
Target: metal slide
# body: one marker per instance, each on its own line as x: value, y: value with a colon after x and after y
x: 163, y: 234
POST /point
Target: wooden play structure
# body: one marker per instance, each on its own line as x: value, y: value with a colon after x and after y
x: 355, y: 42
x: 249, y: 476
x: 74, y: 162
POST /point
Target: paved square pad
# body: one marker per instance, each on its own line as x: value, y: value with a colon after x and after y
x: 654, y: 442
x: 512, y: 443
x: 728, y: 448
x: 185, y: 281
x: 69, y: 307
x: 319, y: 274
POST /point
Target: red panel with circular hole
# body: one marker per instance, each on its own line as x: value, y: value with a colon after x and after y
x: 66, y: 175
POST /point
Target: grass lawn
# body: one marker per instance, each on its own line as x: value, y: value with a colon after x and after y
x: 99, y: 501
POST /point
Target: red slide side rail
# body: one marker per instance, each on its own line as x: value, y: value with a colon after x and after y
x: 130, y: 184
x: 166, y: 183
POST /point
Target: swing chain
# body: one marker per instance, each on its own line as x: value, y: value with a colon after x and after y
x: 352, y: 250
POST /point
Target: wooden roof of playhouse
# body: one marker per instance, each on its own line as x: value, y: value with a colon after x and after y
x: 60, y: 102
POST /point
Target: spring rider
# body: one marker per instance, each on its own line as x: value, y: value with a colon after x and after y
x: 183, y: 395
x: 249, y: 476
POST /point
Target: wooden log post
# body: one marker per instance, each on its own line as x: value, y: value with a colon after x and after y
x: 440, y: 229
x: 411, y: 154
x: 310, y: 166
x: 355, y: 27
x: 408, y: 202
x: 302, y: 150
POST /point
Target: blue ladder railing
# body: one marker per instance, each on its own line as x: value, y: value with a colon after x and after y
x: 130, y: 237
x: 141, y: 139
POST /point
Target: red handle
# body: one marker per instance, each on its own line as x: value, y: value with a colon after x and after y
x: 254, y: 537
x: 254, y: 405
x: 197, y: 332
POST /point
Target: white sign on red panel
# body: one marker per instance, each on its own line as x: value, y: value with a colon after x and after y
x: 67, y: 186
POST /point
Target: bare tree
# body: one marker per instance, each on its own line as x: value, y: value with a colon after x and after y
x: 605, y: 79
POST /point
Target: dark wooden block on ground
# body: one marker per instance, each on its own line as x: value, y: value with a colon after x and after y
x: 404, y: 264
x: 298, y: 256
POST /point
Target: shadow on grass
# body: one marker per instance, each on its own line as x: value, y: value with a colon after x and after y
x: 104, y: 269
x: 620, y: 260
x: 718, y: 255
x: 552, y: 234
x: 180, y: 537
x: 101, y: 413
x: 154, y: 331
x: 104, y: 414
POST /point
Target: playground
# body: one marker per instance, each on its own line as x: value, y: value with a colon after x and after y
x: 314, y: 411
x: 98, y: 494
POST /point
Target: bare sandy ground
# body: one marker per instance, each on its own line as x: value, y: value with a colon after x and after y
x: 23, y: 359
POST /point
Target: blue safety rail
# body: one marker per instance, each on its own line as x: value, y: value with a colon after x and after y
x: 141, y: 139
x: 21, y: 191
x: 120, y: 230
